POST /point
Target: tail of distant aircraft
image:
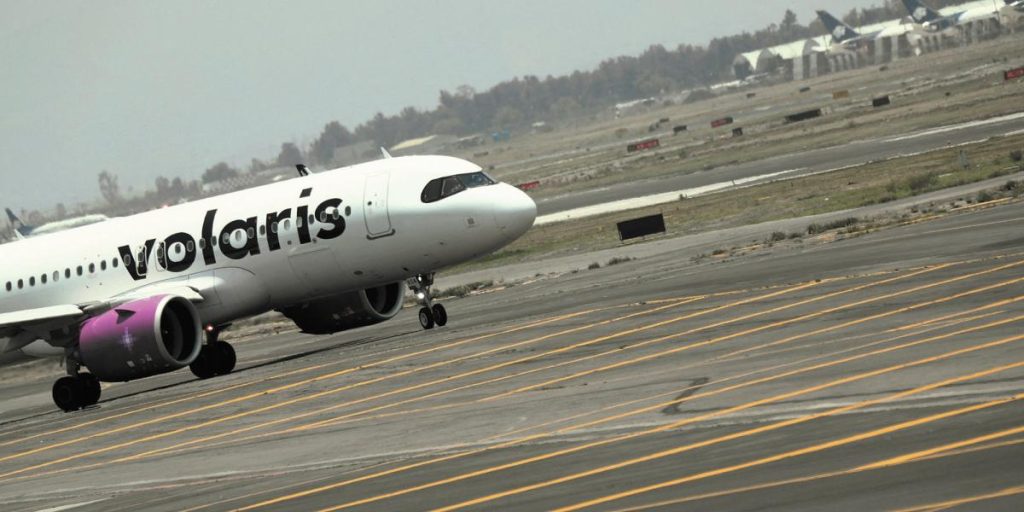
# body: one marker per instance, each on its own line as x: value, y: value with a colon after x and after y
x: 21, y: 230
x: 920, y: 12
x: 840, y: 31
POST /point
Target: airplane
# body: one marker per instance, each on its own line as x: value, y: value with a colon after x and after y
x: 933, y: 21
x: 132, y: 297
x: 844, y: 37
x: 22, y: 230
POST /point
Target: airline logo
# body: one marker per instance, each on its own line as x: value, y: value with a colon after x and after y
x: 920, y: 13
x: 236, y: 240
x: 839, y: 33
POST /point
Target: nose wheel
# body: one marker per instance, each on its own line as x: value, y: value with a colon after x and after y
x: 215, y: 357
x: 430, y: 314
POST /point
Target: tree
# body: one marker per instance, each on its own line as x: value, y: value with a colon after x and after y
x: 334, y: 136
x: 219, y: 172
x: 163, y: 187
x: 109, y: 188
x: 289, y: 156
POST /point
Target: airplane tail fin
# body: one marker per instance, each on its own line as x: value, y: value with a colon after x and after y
x: 21, y: 230
x: 840, y: 31
x: 920, y: 12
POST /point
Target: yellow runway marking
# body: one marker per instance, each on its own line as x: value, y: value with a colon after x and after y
x: 754, y: 431
x: 934, y: 453
x: 278, y: 389
x: 359, y: 417
x: 794, y: 453
x: 935, y: 507
x: 345, y: 417
x: 669, y: 426
x: 781, y: 323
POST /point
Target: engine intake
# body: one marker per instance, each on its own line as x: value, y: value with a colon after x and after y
x: 141, y: 338
x: 349, y: 310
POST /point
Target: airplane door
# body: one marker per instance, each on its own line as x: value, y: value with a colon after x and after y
x: 375, y: 206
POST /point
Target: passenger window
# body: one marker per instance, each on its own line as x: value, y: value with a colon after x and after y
x: 202, y: 244
x: 263, y: 230
x: 32, y: 281
x: 92, y: 268
x: 273, y: 228
x: 103, y: 265
x: 79, y: 270
x: 21, y: 284
x: 9, y: 286
x: 67, y: 273
x: 287, y: 225
x: 56, y: 276
x: 312, y: 219
x: 113, y: 262
x: 42, y: 279
x: 190, y: 246
x: 251, y: 233
x: 298, y: 221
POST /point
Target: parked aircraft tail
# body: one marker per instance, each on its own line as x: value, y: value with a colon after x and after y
x: 920, y: 12
x: 21, y: 230
x: 840, y: 31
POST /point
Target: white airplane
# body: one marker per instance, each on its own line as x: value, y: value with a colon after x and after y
x: 130, y: 297
x: 22, y: 230
x: 933, y: 21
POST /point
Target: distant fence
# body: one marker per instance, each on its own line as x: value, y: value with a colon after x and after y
x: 643, y: 145
x: 1012, y: 74
x: 803, y: 116
x: 643, y: 226
x: 528, y: 186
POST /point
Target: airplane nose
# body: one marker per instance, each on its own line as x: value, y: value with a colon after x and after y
x: 514, y: 212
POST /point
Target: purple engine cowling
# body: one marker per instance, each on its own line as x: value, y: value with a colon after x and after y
x: 145, y: 337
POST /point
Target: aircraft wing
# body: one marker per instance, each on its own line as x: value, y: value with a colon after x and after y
x: 19, y: 328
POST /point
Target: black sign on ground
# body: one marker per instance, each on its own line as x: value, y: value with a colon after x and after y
x: 736, y: 132
x: 805, y: 89
x: 803, y: 116
x: 636, y: 228
x: 679, y: 128
x: 880, y: 101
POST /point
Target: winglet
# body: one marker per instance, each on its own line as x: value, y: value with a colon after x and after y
x: 21, y: 230
x: 384, y: 153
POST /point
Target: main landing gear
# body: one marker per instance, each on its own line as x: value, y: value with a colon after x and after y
x: 76, y: 390
x: 215, y: 358
x: 430, y: 314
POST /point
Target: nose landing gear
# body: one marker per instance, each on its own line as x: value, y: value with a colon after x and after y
x: 430, y: 314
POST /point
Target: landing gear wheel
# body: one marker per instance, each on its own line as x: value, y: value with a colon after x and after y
x: 90, y: 389
x: 426, y: 318
x: 217, y: 358
x: 440, y: 315
x: 69, y: 393
x: 226, y: 358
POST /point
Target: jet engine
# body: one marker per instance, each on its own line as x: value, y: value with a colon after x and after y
x: 348, y: 311
x: 145, y: 337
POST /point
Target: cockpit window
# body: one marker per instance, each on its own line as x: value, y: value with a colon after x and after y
x: 448, y: 186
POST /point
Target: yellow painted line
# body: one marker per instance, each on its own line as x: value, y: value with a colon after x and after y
x: 359, y: 416
x: 162, y: 419
x: 321, y: 394
x: 332, y: 421
x: 754, y: 431
x: 1009, y: 491
x: 938, y: 452
x: 671, y: 426
x: 781, y: 323
x: 902, y: 459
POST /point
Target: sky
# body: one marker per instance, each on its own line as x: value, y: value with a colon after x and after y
x: 155, y: 88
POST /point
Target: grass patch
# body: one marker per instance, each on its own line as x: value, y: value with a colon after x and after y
x: 466, y: 289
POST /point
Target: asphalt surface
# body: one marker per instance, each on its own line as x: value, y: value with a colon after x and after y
x: 880, y: 372
x: 803, y: 163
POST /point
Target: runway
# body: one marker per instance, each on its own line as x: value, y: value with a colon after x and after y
x: 883, y: 372
x: 795, y: 164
